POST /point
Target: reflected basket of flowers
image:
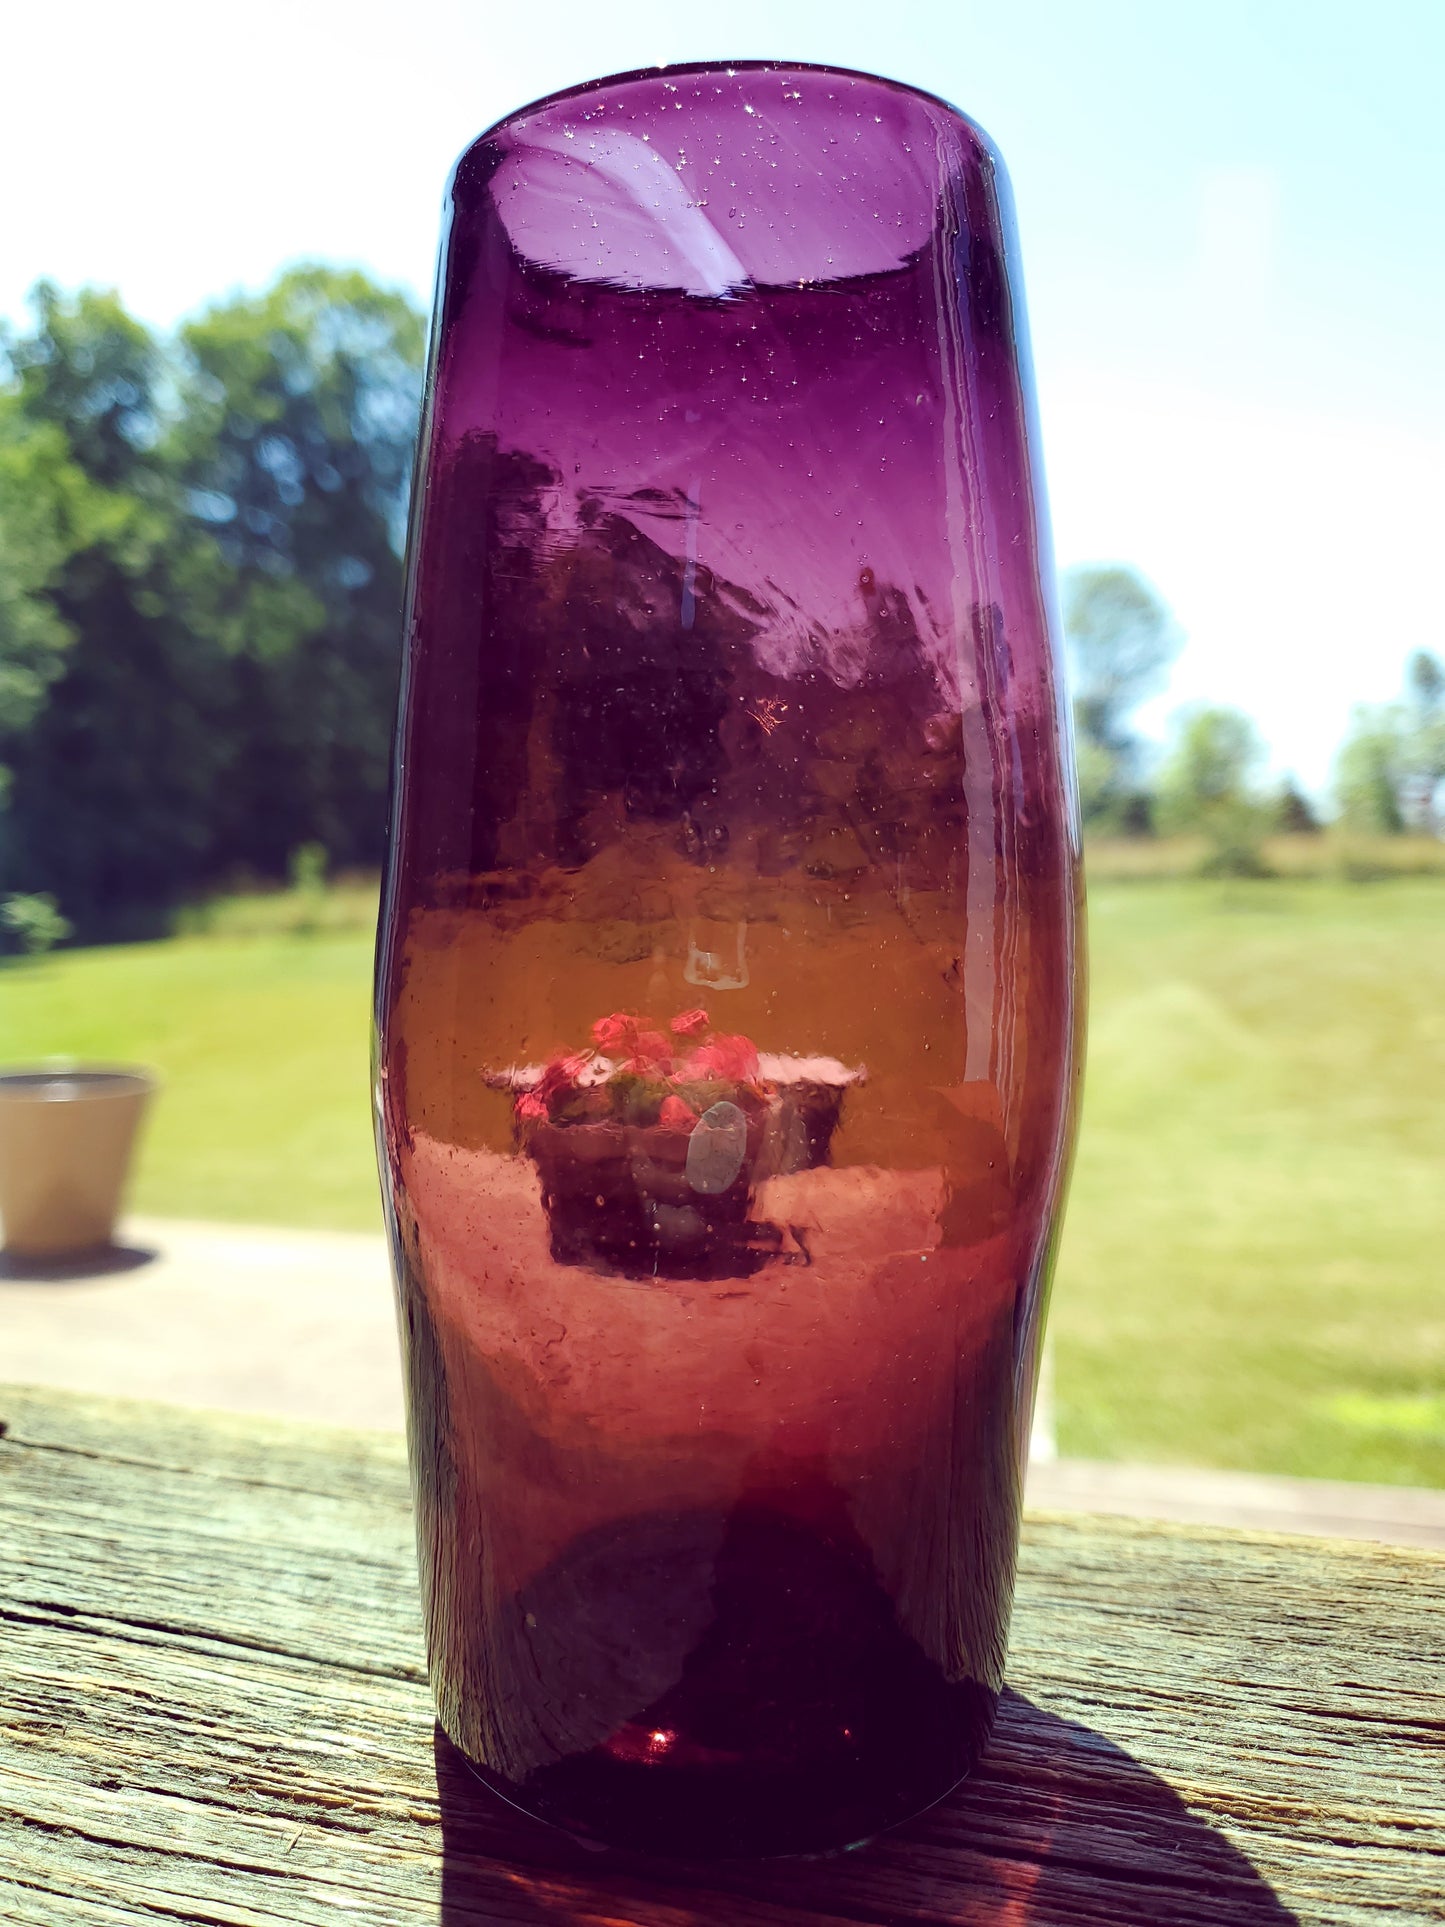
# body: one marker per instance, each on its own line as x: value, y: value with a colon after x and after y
x: 651, y: 1144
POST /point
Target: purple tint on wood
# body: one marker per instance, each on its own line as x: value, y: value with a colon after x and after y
x: 731, y: 682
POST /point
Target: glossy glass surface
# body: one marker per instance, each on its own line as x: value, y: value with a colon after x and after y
x: 727, y: 994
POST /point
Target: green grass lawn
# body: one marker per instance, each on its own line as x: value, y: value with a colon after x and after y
x: 1251, y: 1271
x: 261, y: 1046
x: 1250, y: 1274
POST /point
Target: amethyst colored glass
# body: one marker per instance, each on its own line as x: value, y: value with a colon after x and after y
x: 728, y: 988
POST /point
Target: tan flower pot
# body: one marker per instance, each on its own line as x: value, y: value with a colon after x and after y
x: 66, y: 1139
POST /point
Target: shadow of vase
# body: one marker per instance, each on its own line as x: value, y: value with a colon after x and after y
x: 1058, y: 1825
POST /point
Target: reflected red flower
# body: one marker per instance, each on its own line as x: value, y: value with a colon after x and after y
x: 617, y: 1032
x: 732, y: 1058
x: 646, y: 1052
x: 689, y: 1023
x: 651, y: 1053
x: 676, y: 1115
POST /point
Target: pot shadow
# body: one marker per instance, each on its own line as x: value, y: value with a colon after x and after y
x: 73, y: 1267
x: 1057, y: 1824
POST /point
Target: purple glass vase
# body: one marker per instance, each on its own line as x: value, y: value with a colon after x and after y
x: 728, y: 987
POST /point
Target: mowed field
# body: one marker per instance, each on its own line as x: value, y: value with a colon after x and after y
x: 1252, y: 1268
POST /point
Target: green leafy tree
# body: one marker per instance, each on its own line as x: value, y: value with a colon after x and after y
x: 1121, y: 640
x: 295, y: 447
x: 200, y: 588
x: 1368, y: 771
x: 33, y: 924
x: 116, y: 763
x: 1425, y: 685
x: 1207, y: 784
x: 39, y: 491
x: 1393, y: 758
x: 90, y: 369
x: 1422, y: 757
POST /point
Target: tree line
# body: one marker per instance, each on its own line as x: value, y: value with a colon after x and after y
x: 200, y: 614
x: 200, y: 591
x: 1121, y: 639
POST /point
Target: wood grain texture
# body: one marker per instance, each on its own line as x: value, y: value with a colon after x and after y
x: 213, y: 1709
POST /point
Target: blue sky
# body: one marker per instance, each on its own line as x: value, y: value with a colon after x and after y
x: 1231, y: 218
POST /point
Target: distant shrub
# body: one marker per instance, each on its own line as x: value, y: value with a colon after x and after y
x: 32, y: 924
x: 307, y: 870
x: 1206, y: 787
x: 1234, y: 846
x: 334, y: 908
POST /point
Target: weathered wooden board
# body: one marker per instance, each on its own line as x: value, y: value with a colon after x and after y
x: 213, y: 1709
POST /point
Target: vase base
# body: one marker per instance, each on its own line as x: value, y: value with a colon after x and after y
x: 702, y: 1816
x: 805, y: 1719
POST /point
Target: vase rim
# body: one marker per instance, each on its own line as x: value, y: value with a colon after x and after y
x: 667, y: 70
x: 843, y: 170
